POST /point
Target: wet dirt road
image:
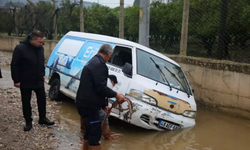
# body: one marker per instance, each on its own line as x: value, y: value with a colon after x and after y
x: 213, y: 131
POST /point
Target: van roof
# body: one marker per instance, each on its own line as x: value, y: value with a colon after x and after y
x: 110, y: 39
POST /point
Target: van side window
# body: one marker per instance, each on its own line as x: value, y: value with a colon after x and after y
x: 89, y: 50
x: 121, y: 55
x: 66, y: 47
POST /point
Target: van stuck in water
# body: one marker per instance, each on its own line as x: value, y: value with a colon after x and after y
x: 158, y: 88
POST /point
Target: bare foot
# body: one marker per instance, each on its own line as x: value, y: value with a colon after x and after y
x: 113, y: 137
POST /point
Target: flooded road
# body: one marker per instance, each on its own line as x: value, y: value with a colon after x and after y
x: 213, y: 131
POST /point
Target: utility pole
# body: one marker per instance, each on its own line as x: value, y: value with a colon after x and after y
x: 54, y: 21
x: 33, y: 13
x: 184, y: 30
x: 121, y: 20
x: 15, y: 18
x: 222, y: 51
x: 81, y: 17
x: 144, y: 22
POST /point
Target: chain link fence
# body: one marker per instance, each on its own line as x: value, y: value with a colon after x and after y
x: 218, y: 29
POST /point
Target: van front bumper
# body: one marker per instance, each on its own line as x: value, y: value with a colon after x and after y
x: 152, y: 117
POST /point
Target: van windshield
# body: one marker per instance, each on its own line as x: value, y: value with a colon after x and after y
x: 160, y: 70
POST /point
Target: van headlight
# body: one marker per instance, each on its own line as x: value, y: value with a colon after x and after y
x: 143, y: 97
x: 190, y: 114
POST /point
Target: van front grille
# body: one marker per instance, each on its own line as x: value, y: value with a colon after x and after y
x: 145, y: 118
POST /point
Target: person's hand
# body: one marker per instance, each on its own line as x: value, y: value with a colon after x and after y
x: 120, y: 97
x: 17, y: 85
x: 106, y: 109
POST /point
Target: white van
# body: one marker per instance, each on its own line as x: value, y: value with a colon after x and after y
x: 160, y: 92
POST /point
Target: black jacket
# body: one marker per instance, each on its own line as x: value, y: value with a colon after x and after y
x: 27, y: 65
x: 93, y: 88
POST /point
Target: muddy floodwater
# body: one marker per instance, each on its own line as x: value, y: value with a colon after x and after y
x: 213, y: 131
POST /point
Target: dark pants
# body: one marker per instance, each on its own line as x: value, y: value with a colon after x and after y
x: 41, y: 102
x: 92, y: 123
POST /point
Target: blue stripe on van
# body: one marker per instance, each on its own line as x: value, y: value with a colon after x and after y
x: 172, y: 97
x: 172, y: 102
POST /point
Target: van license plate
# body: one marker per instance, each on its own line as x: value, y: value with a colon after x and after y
x: 168, y: 126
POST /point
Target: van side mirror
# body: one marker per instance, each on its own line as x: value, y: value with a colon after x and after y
x: 127, y: 70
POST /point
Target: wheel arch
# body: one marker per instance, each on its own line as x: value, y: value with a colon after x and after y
x: 54, y: 76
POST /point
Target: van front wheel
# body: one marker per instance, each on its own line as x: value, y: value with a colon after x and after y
x: 54, y: 90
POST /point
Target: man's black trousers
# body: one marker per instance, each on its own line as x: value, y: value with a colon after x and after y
x: 91, y: 120
x: 41, y: 102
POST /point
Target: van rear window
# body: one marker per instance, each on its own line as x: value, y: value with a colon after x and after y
x: 70, y: 47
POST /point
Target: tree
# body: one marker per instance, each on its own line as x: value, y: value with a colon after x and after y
x: 204, y: 22
x: 131, y: 23
x: 6, y: 21
x: 68, y: 18
x: 44, y: 18
x: 238, y: 22
x: 100, y: 19
x: 165, y: 25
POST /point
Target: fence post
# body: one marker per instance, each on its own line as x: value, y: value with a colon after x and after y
x: 144, y: 22
x: 81, y: 17
x: 222, y: 51
x: 54, y: 21
x: 121, y: 20
x: 184, y: 30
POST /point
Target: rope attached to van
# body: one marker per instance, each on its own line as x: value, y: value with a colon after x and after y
x: 130, y: 108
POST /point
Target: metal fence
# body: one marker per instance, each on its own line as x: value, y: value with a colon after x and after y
x: 218, y: 29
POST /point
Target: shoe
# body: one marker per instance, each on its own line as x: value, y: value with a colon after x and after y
x: 28, y: 126
x: 46, y: 121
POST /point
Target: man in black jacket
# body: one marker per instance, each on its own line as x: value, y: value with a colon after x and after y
x: 27, y: 71
x: 112, y: 81
x: 91, y: 96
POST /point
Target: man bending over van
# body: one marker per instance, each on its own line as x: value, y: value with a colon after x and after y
x: 112, y: 81
x: 91, y: 96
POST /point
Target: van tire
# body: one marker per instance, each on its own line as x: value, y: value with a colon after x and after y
x: 54, y: 90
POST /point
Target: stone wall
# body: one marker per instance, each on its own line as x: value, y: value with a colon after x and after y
x: 8, y: 43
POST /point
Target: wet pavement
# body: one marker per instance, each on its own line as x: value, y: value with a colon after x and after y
x: 213, y: 131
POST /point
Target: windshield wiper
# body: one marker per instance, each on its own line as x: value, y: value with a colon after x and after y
x: 163, y: 75
x: 177, y: 80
